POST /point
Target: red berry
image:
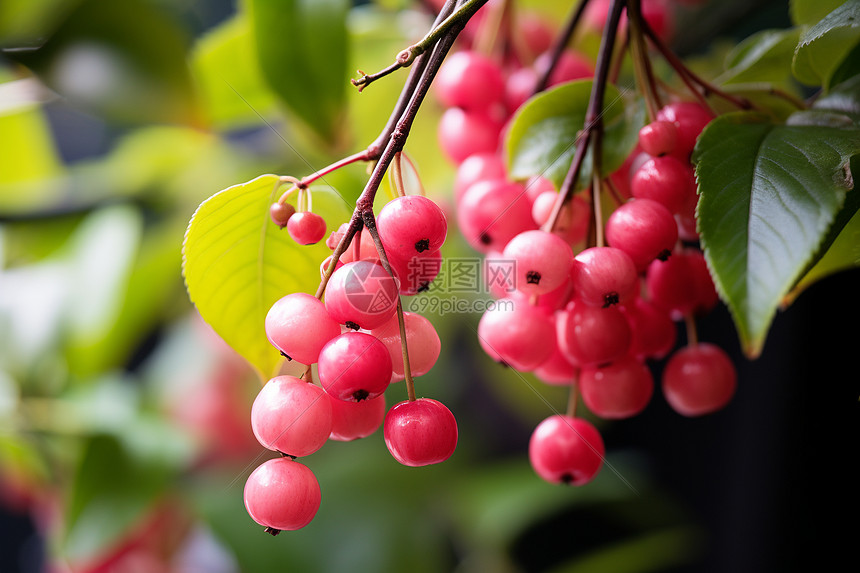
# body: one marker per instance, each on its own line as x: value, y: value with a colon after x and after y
x: 420, y: 432
x: 566, y: 450
x: 355, y: 420
x: 306, y: 228
x: 699, y: 379
x: 516, y: 334
x: 644, y: 229
x: 542, y: 261
x: 282, y: 494
x: 422, y: 342
x: 463, y: 133
x: 690, y: 118
x: 411, y: 225
x: 653, y: 330
x: 361, y: 294
x: 617, y: 390
x: 354, y: 366
x: 658, y: 138
x: 299, y: 326
x: 592, y: 335
x: 666, y: 180
x: 469, y: 80
x: 604, y: 276
x: 492, y: 213
x: 475, y: 168
x: 291, y: 416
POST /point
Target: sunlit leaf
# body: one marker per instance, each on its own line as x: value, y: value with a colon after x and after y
x: 768, y: 196
x: 237, y: 263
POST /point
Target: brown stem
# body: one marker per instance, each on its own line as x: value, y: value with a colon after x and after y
x: 593, y: 123
x: 561, y: 42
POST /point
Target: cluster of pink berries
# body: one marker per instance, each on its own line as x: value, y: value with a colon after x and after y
x: 353, y: 337
x: 593, y: 317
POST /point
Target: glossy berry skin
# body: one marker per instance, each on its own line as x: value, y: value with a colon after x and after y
x: 420, y: 432
x: 666, y: 180
x: 463, y: 133
x: 557, y: 370
x: 291, y: 416
x: 299, y: 326
x: 354, y: 366
x: 416, y: 274
x: 542, y: 261
x: 690, y: 119
x: 493, y: 212
x: 516, y: 334
x: 306, y: 228
x: 355, y: 420
x: 590, y: 335
x: 653, y: 330
x: 280, y: 213
x: 617, y: 390
x: 566, y: 450
x: 422, y: 341
x: 681, y: 284
x: 411, y: 225
x: 282, y: 494
x: 604, y: 276
x: 644, y: 229
x: 699, y: 380
x: 362, y: 294
x: 469, y: 80
x: 658, y: 138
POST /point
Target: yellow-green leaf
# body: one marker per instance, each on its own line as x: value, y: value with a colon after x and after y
x: 237, y: 263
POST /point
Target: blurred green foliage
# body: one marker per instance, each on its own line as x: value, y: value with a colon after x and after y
x: 123, y: 418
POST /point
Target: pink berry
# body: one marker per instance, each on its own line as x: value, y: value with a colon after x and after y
x: 699, y: 379
x: 566, y: 450
x: 516, y: 334
x: 361, y: 294
x: 617, y: 390
x: 681, y: 284
x: 325, y: 264
x: 306, y: 228
x: 666, y: 180
x: 557, y: 370
x: 416, y: 274
x: 658, y: 138
x: 492, y: 213
x: 475, y: 168
x: 291, y: 416
x: 469, y: 80
x: 299, y: 326
x: 281, y: 213
x: 690, y: 118
x: 604, y: 276
x: 422, y: 342
x: 463, y: 133
x: 282, y: 495
x: 644, y: 229
x: 519, y: 87
x: 542, y: 261
x: 573, y: 219
x: 570, y: 66
x: 411, y: 225
x: 591, y: 335
x: 420, y: 432
x: 354, y: 366
x: 653, y: 330
x: 354, y: 420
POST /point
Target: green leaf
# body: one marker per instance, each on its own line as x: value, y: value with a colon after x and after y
x: 824, y: 46
x: 125, y: 61
x: 111, y: 492
x: 542, y: 136
x: 301, y: 46
x: 768, y: 196
x: 765, y: 56
x: 808, y: 12
x: 237, y: 263
x: 231, y: 87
